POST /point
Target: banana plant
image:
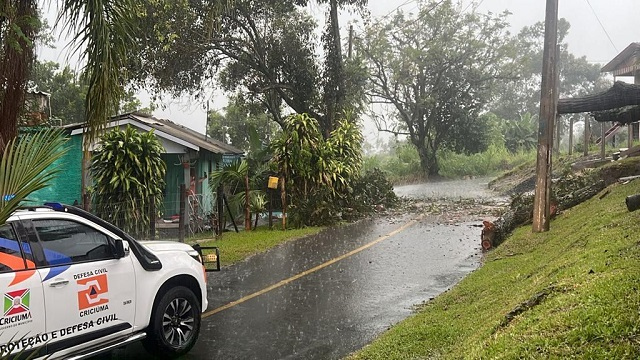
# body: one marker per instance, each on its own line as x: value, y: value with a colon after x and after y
x: 28, y: 164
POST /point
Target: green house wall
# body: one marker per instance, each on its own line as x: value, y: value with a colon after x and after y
x: 203, y: 166
x: 65, y: 187
x: 173, y: 178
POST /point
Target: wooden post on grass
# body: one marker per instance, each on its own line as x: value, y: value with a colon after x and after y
x: 603, y: 129
x: 548, y: 104
x: 587, y: 135
x: 283, y: 195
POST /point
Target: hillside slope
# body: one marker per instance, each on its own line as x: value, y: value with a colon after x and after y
x: 572, y: 292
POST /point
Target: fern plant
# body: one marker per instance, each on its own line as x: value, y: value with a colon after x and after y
x: 27, y: 165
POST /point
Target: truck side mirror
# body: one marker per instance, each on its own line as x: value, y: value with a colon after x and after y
x: 120, y: 251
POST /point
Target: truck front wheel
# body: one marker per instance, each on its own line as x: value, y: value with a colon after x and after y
x: 174, y: 325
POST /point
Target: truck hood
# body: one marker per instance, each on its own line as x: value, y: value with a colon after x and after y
x: 163, y: 246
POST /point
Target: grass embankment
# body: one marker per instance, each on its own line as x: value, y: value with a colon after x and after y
x: 235, y: 247
x: 572, y: 292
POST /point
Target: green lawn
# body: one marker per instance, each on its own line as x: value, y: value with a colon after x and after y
x: 573, y: 292
x: 235, y: 247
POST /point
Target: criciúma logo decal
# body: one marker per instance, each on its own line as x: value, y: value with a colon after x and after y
x: 93, y: 294
x: 16, y: 302
x: 16, y: 308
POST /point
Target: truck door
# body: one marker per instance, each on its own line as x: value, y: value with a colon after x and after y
x: 89, y: 293
x: 22, y: 320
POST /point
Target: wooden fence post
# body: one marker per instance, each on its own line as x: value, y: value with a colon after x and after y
x: 152, y: 219
x: 183, y: 212
x: 571, y: 136
x: 587, y: 135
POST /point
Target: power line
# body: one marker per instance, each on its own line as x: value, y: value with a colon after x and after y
x: 474, y: 8
x: 398, y: 7
x: 425, y: 13
x: 602, y: 26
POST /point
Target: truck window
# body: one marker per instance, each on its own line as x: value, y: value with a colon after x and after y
x: 68, y: 242
x: 10, y: 255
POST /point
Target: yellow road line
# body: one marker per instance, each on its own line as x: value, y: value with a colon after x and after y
x: 312, y: 270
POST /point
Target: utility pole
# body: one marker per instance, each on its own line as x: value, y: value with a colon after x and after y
x: 350, y: 41
x: 548, y: 104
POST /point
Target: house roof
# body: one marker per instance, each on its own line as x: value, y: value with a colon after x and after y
x: 168, y: 130
x: 625, y: 63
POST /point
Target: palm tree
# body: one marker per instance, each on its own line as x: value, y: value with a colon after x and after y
x: 101, y: 33
x: 100, y: 30
x: 236, y: 175
x: 27, y: 165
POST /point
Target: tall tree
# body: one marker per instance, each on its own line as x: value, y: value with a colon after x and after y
x: 239, y: 121
x: 435, y: 70
x: 577, y: 76
x: 266, y: 50
x: 68, y: 93
x: 19, y: 24
x: 101, y: 32
x: 335, y: 74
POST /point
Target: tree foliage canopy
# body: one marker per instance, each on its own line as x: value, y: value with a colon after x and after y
x: 68, y: 92
x: 436, y: 70
x: 239, y: 121
x: 577, y: 76
x: 266, y: 50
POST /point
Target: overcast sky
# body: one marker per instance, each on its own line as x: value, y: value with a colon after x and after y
x: 587, y: 37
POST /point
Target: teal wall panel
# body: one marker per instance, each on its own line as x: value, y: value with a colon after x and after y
x: 66, y: 185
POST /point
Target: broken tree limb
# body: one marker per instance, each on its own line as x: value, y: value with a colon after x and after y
x: 634, y: 151
x: 619, y: 95
x: 628, y: 178
x: 624, y: 115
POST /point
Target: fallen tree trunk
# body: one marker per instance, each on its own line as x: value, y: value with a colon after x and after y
x: 569, y: 191
x: 579, y: 196
x: 520, y: 213
x: 619, y: 95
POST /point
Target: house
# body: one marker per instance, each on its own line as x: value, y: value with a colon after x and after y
x: 627, y: 64
x: 188, y: 155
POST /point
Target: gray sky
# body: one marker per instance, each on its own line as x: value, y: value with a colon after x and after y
x: 586, y: 37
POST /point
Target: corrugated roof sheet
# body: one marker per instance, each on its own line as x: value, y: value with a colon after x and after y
x: 179, y: 131
x: 621, y: 58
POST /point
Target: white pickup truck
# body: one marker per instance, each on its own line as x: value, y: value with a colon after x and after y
x: 75, y: 286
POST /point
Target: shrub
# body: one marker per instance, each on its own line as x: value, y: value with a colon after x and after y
x: 494, y: 160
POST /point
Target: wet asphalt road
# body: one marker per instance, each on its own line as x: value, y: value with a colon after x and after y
x: 307, y: 308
